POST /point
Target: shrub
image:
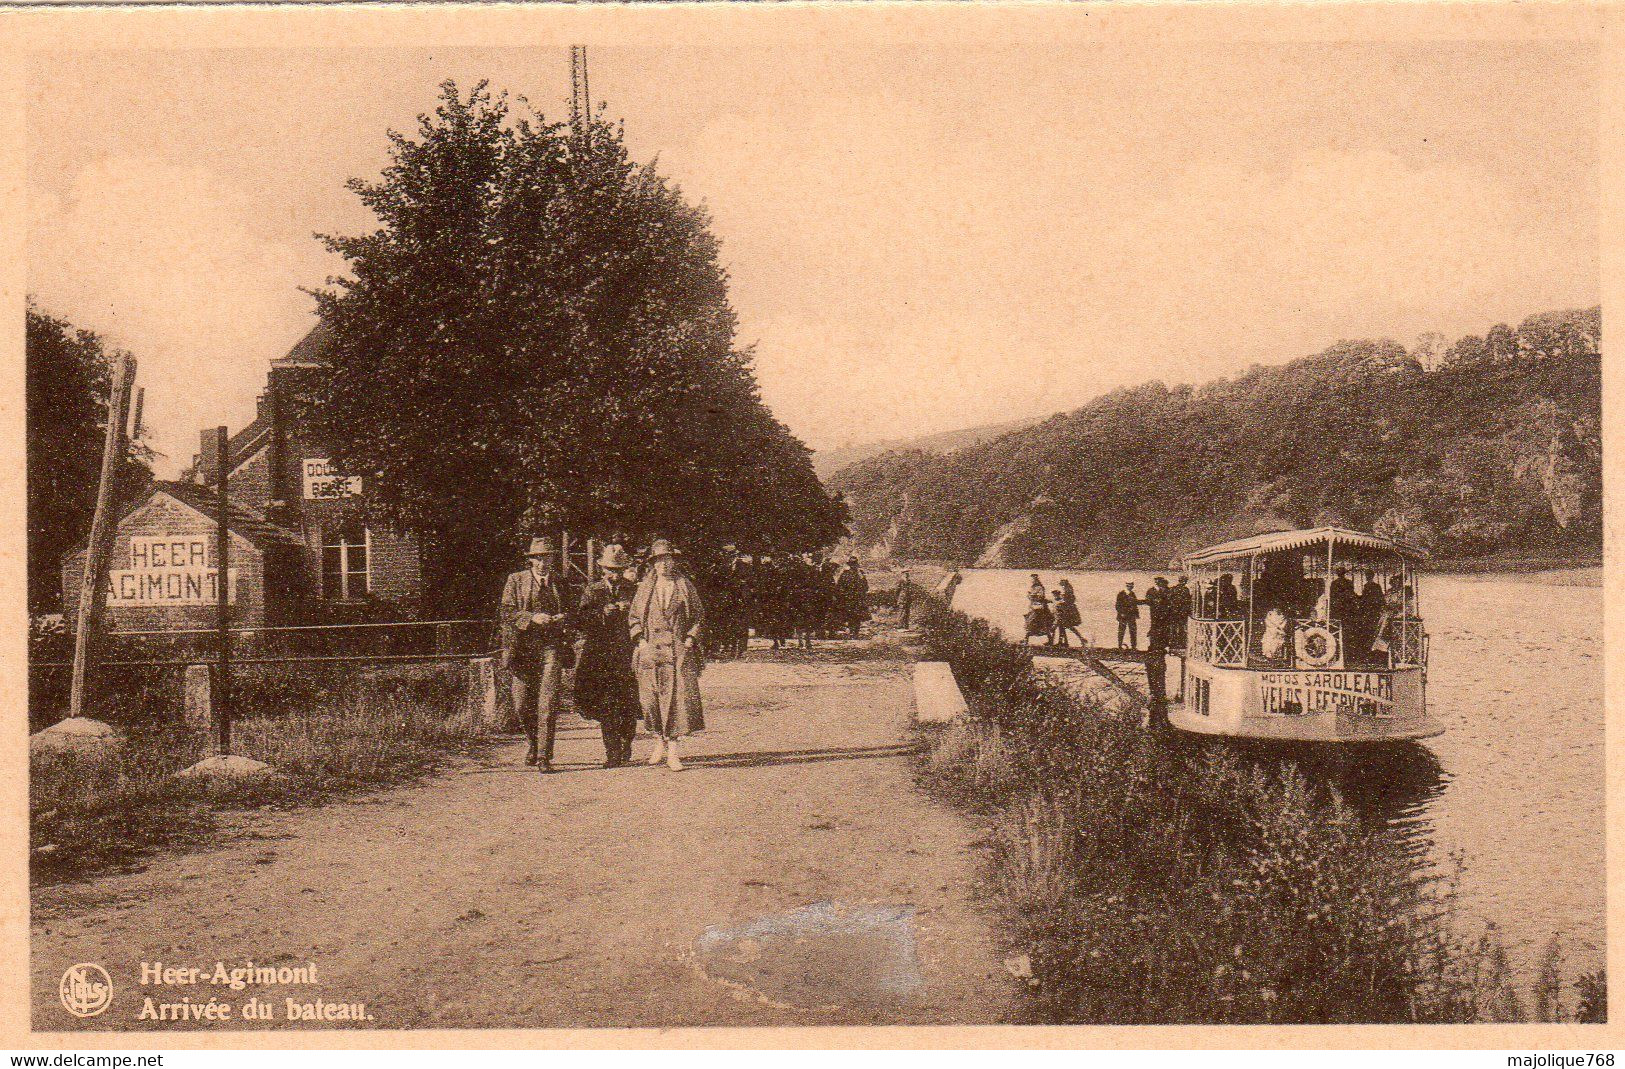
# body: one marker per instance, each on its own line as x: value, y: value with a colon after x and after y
x: 1154, y: 879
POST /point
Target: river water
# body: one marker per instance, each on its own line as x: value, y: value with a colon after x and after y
x: 1515, y: 784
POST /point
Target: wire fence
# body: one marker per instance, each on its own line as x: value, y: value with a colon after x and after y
x: 141, y: 675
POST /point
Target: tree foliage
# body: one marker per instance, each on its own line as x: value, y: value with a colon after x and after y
x: 538, y: 335
x: 68, y: 375
x: 1496, y: 452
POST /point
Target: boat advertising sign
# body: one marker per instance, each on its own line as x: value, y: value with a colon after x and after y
x: 1369, y: 694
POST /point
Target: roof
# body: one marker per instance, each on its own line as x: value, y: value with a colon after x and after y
x: 311, y: 350
x: 1281, y: 541
x: 241, y: 446
x: 262, y: 532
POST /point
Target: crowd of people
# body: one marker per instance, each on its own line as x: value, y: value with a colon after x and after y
x: 788, y: 600
x: 638, y: 636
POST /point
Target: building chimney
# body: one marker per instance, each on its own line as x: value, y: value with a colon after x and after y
x: 276, y: 452
x: 208, y: 459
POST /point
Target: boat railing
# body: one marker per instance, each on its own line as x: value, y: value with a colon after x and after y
x: 1232, y: 644
x: 1217, y: 642
x: 1409, y: 646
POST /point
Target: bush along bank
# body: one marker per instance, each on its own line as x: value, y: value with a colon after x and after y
x: 325, y: 732
x: 1149, y: 879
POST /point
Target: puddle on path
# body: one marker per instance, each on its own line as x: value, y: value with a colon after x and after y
x: 826, y: 955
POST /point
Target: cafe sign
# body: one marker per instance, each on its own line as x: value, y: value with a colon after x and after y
x: 1369, y: 694
x: 167, y: 570
x: 324, y: 483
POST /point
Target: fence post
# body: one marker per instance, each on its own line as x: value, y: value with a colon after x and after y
x: 198, y: 704
x: 482, y: 711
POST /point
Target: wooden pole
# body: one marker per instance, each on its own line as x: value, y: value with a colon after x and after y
x: 1330, y: 543
x: 222, y: 588
x: 102, y: 527
x: 134, y: 433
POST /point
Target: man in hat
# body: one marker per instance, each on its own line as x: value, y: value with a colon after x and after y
x: 1156, y: 604
x: 1128, y: 617
x: 535, y: 631
x: 1178, y: 607
x: 606, y: 687
x: 667, y: 622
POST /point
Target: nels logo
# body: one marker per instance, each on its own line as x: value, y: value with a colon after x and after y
x: 86, y: 990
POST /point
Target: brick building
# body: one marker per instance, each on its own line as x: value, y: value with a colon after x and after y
x: 302, y: 548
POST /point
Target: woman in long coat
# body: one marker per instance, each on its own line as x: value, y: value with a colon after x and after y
x: 606, y: 687
x: 667, y: 622
x: 1067, y: 616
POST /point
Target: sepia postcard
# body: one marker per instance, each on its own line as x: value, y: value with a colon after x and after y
x: 809, y: 525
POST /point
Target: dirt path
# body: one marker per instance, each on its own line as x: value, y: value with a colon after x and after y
x: 494, y: 897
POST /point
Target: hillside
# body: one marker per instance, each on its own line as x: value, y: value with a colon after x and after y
x: 829, y: 461
x: 1489, y: 448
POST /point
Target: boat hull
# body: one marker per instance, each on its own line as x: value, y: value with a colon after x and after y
x: 1296, y: 705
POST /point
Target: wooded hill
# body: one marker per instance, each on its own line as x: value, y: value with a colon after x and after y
x: 1488, y: 448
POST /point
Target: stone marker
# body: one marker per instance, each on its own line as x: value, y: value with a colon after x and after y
x: 936, y: 695
x: 482, y: 712
x: 76, y: 734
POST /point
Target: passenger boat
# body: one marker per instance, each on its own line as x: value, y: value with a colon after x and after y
x: 1286, y: 641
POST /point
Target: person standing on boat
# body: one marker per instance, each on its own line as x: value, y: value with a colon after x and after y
x: 1228, y: 597
x: 1393, y: 610
x: 1368, y: 614
x: 1342, y: 609
x: 1343, y: 597
x: 606, y: 685
x: 533, y: 619
x: 666, y: 622
x: 1128, y: 617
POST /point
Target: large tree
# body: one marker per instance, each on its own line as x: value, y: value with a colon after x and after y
x: 538, y: 335
x: 68, y: 374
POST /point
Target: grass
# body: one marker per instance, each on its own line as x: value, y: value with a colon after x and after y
x: 1155, y: 880
x: 326, y: 733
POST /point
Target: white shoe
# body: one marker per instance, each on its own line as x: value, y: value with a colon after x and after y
x: 660, y: 752
x: 671, y: 757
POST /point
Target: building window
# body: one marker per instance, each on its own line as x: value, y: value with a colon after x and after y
x: 345, y: 557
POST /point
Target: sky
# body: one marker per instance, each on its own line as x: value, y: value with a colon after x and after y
x: 919, y: 239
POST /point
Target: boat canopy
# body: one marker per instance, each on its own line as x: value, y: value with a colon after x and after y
x: 1282, y: 541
